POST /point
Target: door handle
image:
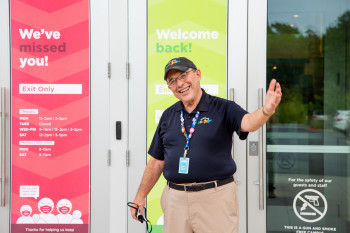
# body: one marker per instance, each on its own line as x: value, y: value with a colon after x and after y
x: 232, y: 98
x: 261, y: 154
x: 3, y: 145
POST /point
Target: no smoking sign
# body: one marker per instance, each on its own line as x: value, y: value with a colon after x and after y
x: 310, y: 205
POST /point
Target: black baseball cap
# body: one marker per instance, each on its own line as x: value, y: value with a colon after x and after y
x: 179, y: 63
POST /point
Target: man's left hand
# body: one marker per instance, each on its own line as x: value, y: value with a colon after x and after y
x: 273, y: 97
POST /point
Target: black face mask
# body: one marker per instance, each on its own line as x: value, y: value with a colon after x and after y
x: 139, y: 216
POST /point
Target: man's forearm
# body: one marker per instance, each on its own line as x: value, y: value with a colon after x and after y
x: 151, y: 175
x: 253, y: 121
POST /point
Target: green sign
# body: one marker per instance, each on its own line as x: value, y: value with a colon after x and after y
x: 194, y: 29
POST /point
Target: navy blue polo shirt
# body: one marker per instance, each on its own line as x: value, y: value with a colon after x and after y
x: 210, y: 145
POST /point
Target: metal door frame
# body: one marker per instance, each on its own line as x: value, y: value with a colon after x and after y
x: 237, y: 81
x: 119, y: 107
x: 137, y: 101
x: 256, y: 165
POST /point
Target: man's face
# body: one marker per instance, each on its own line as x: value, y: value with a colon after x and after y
x: 188, y: 89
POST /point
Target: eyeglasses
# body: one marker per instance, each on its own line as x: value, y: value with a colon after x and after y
x: 181, y: 77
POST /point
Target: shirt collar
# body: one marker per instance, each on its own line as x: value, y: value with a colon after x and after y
x: 203, y: 105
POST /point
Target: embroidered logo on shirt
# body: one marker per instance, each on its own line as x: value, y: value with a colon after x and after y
x: 204, y: 120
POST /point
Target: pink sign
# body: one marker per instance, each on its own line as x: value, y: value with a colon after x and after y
x: 50, y: 184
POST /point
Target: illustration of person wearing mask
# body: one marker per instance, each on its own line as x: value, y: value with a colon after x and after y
x: 45, y: 207
x: 26, y: 218
x: 76, y: 217
x: 64, y: 207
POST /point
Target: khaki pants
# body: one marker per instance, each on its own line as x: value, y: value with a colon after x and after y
x: 212, y: 210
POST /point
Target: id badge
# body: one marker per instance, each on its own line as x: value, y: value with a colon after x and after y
x: 184, y: 165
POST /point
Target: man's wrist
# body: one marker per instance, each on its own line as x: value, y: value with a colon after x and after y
x: 265, y: 113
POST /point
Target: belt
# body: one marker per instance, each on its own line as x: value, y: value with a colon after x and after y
x: 200, y: 187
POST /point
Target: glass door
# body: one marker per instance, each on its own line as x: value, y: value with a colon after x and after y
x: 215, y: 38
x: 306, y: 148
x: 52, y: 175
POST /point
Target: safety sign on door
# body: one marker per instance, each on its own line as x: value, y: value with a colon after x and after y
x: 310, y: 205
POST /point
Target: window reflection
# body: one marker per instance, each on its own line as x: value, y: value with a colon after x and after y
x: 308, y: 47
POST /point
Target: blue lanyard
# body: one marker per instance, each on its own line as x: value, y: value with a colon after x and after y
x: 183, y: 130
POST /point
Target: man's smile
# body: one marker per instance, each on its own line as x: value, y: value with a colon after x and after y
x: 183, y: 90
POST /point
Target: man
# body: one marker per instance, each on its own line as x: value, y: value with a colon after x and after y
x: 192, y: 147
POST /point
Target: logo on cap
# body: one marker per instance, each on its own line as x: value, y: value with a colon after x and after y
x: 172, y: 62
